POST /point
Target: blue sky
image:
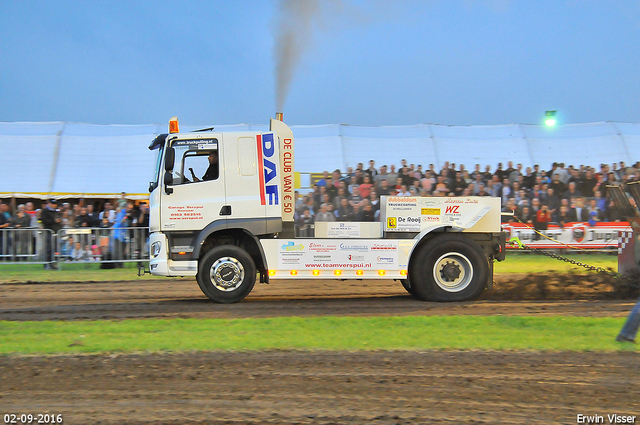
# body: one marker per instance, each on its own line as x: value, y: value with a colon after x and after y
x: 457, y: 62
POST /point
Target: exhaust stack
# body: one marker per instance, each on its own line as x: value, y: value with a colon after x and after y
x: 279, y: 116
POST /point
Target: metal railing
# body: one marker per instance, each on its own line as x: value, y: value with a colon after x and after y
x: 105, y: 245
x: 27, y: 246
x: 304, y: 230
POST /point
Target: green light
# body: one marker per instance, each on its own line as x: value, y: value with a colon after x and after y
x: 550, y: 119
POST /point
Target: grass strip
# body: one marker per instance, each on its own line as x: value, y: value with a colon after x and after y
x: 529, y: 262
x: 69, y: 272
x: 553, y: 333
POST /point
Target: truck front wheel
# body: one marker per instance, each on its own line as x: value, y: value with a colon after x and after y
x: 406, y: 284
x: 449, y: 267
x: 226, y: 274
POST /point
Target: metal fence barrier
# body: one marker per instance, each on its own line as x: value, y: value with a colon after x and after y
x: 27, y: 246
x: 42, y: 246
x: 304, y: 230
x: 104, y: 245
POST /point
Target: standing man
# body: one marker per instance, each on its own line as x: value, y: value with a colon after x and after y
x: 4, y: 223
x: 392, y: 176
x: 21, y: 239
x: 94, y: 221
x: 541, y: 221
x: 372, y: 170
x: 50, y: 221
x: 122, y: 201
x: 515, y: 174
x: 31, y: 212
x: 630, y: 328
x: 142, y: 236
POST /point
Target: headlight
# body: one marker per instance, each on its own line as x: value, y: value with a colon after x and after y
x: 155, y: 249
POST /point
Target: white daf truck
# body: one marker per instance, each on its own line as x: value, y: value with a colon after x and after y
x: 222, y: 209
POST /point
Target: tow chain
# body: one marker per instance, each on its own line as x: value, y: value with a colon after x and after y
x: 601, y: 270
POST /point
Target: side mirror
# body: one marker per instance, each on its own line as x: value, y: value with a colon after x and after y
x: 169, y: 159
x: 152, y: 185
x: 168, y: 181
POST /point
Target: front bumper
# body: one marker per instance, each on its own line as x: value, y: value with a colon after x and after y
x: 161, y: 265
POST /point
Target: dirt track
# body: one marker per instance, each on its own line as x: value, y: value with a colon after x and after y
x: 323, y: 388
x: 182, y: 298
x: 303, y: 387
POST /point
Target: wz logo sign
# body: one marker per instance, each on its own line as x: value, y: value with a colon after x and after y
x: 268, y: 169
x: 452, y: 209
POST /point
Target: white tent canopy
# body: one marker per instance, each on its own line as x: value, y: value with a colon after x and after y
x: 65, y: 159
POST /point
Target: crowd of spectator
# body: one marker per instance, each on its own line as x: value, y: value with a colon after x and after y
x: 534, y: 196
x: 112, y: 221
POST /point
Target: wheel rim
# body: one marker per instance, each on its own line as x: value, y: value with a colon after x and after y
x: 453, y: 272
x: 227, y: 274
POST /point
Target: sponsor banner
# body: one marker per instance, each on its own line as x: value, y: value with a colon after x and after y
x: 343, y: 229
x: 327, y: 254
x: 404, y: 224
x: 408, y: 214
x: 580, y: 235
x: 430, y: 211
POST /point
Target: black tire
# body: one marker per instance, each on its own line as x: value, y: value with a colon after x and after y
x: 406, y: 284
x: 226, y: 274
x: 449, y: 267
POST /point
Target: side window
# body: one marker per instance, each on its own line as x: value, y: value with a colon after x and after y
x: 200, y: 166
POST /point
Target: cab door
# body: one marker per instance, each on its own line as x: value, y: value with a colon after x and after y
x: 193, y: 199
x: 243, y: 179
x: 253, y: 182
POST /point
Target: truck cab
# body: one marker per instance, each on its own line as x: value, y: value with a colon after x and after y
x: 212, y: 187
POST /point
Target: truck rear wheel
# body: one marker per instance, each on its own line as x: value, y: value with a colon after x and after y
x: 226, y: 274
x: 449, y: 267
